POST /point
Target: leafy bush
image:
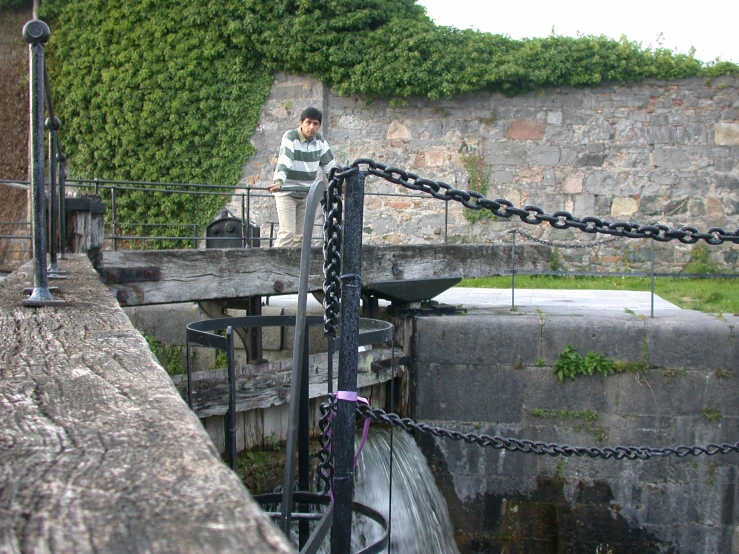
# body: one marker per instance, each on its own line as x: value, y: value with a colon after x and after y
x: 172, y: 91
x: 571, y: 364
x: 14, y: 4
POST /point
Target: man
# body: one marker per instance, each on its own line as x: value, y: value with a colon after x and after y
x: 302, y: 152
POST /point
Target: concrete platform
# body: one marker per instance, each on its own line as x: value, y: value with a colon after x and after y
x: 533, y: 299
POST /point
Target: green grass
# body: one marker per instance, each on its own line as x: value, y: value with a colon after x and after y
x: 705, y: 295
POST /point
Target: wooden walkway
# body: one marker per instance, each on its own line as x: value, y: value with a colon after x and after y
x: 195, y: 275
x: 98, y: 451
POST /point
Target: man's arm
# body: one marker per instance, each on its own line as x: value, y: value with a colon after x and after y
x: 327, y: 158
x: 284, y: 163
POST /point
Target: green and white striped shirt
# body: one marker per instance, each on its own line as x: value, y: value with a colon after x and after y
x: 299, y: 160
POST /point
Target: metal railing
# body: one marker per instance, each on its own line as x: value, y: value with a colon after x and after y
x: 36, y: 33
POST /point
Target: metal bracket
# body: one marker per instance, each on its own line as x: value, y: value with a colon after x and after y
x: 387, y: 364
x: 114, y: 275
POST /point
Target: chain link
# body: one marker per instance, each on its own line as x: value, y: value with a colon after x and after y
x: 325, y: 468
x: 534, y: 215
x: 565, y: 245
x: 544, y: 448
x: 333, y: 209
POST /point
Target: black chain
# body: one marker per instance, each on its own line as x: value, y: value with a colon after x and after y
x: 333, y: 209
x: 325, y: 467
x: 532, y: 215
x: 565, y: 245
x: 535, y: 216
x: 544, y: 448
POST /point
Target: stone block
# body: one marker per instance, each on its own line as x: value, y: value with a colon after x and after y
x: 554, y: 118
x: 286, y: 92
x: 624, y: 207
x: 573, y: 183
x: 671, y: 158
x: 659, y: 120
x: 511, y: 341
x: 506, y: 153
x: 597, y: 129
x: 662, y: 135
x: 584, y: 205
x: 546, y: 155
x: 453, y: 392
x: 396, y: 131
x: 590, y: 159
x: 601, y: 182
x: 525, y: 129
x: 668, y: 346
x: 165, y: 322
x: 726, y: 134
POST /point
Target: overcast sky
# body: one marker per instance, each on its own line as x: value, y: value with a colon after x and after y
x: 711, y: 27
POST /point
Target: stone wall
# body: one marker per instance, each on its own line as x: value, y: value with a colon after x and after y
x: 487, y: 374
x: 657, y: 151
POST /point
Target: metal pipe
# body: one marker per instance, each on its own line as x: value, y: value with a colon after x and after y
x: 61, y: 159
x: 248, y: 213
x: 343, y: 431
x: 112, y: 215
x: 513, y: 272
x: 231, y: 415
x: 314, y: 197
x: 244, y: 226
x: 52, y: 124
x: 36, y: 33
x: 652, y: 279
x: 304, y: 442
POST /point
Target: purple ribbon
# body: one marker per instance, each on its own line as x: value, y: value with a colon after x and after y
x: 351, y: 396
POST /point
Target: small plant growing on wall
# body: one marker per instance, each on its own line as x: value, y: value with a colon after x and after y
x: 478, y: 181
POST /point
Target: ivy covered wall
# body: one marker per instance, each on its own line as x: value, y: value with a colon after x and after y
x: 172, y: 91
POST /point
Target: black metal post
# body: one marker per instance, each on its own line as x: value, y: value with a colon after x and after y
x: 36, y: 33
x: 513, y: 272
x: 52, y: 124
x: 304, y: 441
x: 61, y: 159
x: 343, y: 432
x: 231, y: 415
x: 244, y: 225
x: 112, y: 212
x: 652, y: 280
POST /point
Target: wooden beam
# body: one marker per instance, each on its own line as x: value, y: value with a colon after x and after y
x: 98, y: 452
x: 268, y: 385
x: 193, y: 275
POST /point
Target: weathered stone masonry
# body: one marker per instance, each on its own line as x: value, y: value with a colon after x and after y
x: 656, y: 151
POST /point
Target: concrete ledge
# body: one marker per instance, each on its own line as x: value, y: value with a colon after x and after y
x: 493, y: 374
x: 98, y: 452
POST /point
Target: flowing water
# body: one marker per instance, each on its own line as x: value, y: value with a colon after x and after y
x: 420, y: 518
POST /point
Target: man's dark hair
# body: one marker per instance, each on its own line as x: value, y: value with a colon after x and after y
x: 311, y: 113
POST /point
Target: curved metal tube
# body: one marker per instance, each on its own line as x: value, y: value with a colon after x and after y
x: 314, y: 197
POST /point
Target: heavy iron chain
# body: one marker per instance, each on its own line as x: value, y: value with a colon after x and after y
x: 333, y: 209
x: 533, y: 215
x: 564, y: 245
x: 544, y: 448
x: 325, y: 467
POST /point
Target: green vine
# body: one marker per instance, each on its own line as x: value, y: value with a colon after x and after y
x: 172, y: 90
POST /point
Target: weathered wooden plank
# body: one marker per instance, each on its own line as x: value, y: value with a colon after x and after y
x: 267, y: 385
x: 192, y: 275
x: 98, y: 452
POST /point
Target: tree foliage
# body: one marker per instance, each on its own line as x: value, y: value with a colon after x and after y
x: 171, y: 90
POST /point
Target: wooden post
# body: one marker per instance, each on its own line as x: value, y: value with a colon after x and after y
x: 85, y: 231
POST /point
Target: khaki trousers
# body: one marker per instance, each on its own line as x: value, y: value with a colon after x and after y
x: 291, y: 216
